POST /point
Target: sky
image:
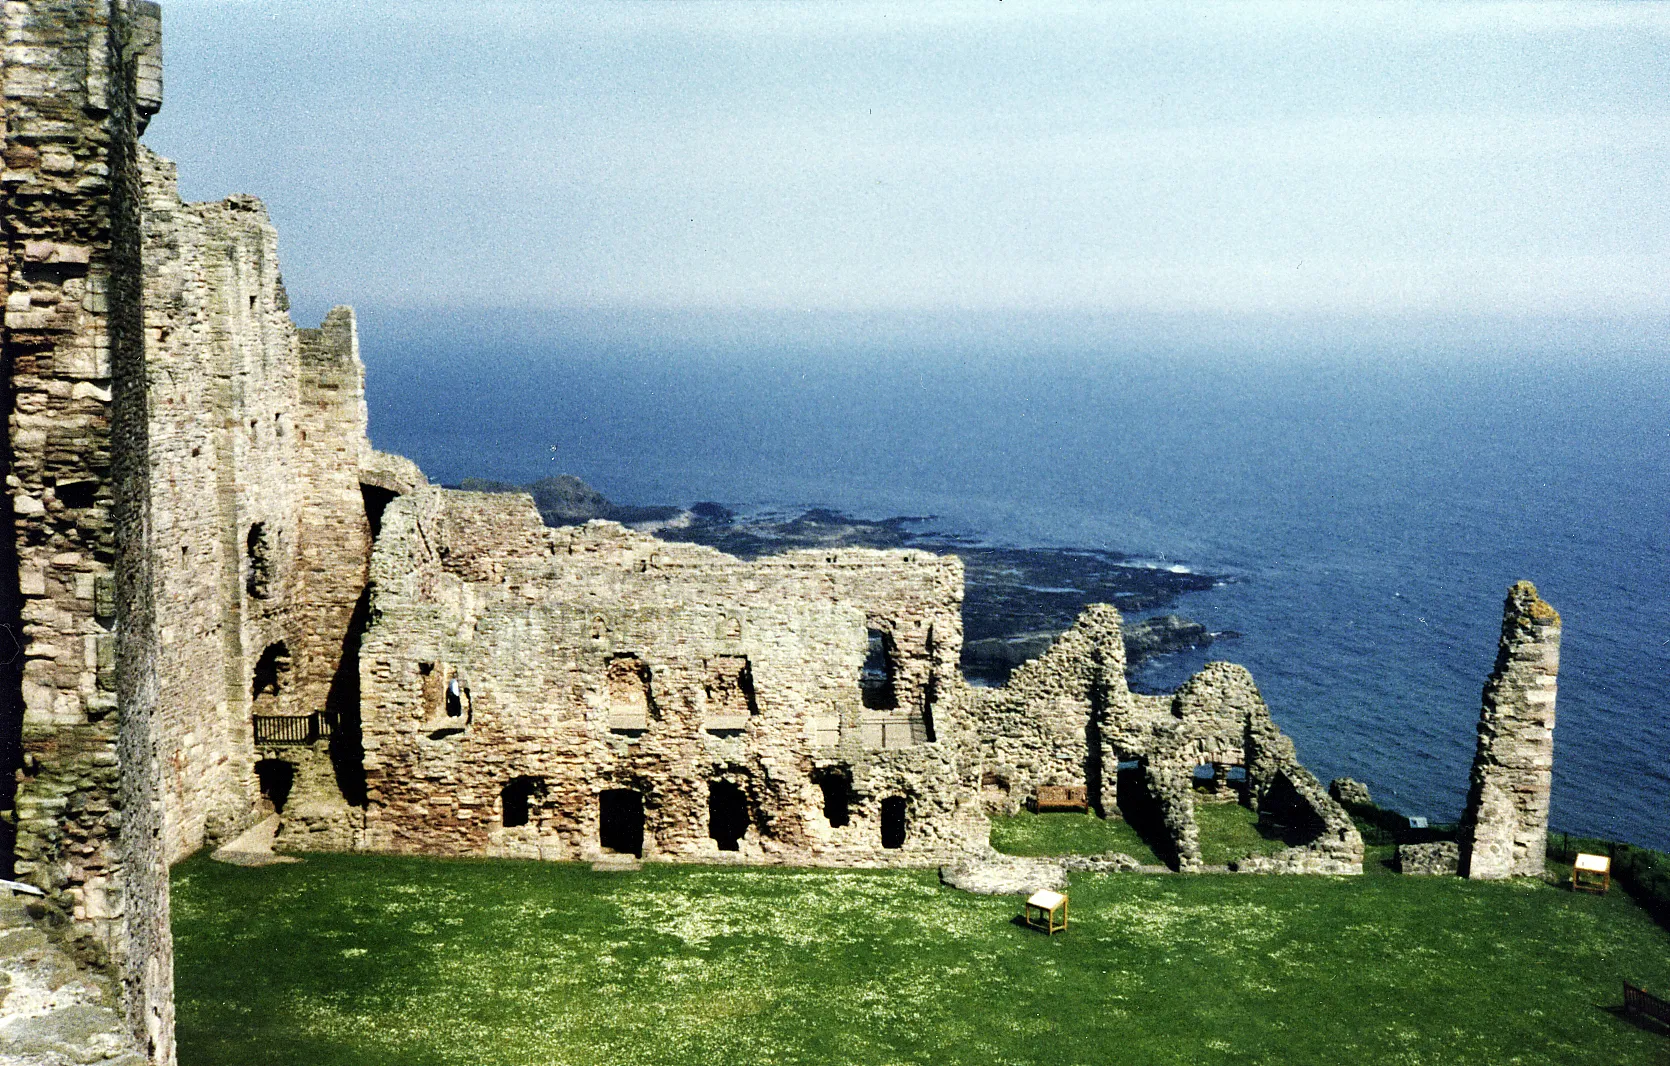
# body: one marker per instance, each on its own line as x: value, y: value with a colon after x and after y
x: 1305, y: 162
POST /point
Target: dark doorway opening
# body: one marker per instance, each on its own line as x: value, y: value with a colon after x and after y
x: 1141, y: 811
x: 342, y: 707
x: 517, y: 799
x: 276, y: 778
x: 1285, y: 814
x: 727, y: 814
x: 620, y: 821
x: 893, y: 822
x: 837, y: 796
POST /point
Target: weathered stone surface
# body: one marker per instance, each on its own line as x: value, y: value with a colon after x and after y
x: 1441, y: 858
x: 513, y: 674
x: 1067, y: 718
x: 1004, y: 876
x: 1504, y: 830
x: 75, y: 571
x: 54, y: 1011
x: 1108, y: 862
x: 1349, y: 792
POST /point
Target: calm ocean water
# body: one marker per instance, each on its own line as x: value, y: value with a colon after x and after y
x: 1368, y: 511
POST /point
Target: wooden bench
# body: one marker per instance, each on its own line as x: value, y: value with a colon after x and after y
x: 1640, y: 1001
x: 1063, y: 798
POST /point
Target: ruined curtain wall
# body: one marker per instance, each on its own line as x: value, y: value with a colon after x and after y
x: 594, y: 658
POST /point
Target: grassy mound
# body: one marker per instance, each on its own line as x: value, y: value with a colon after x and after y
x: 354, y: 959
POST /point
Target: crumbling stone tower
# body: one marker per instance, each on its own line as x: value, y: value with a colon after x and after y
x: 1504, y: 831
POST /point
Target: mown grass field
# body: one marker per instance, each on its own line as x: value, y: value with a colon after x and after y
x: 356, y: 959
x: 1228, y: 832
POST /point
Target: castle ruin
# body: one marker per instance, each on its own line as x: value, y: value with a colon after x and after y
x: 1505, y: 830
x: 226, y: 604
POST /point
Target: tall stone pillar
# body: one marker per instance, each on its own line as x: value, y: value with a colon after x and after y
x: 1504, y: 831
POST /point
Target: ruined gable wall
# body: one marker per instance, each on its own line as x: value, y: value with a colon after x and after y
x: 1218, y: 716
x: 80, y: 77
x: 1045, y: 727
x: 1504, y: 830
x: 528, y: 621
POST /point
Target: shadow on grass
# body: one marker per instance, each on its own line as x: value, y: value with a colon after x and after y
x: 1639, y: 1021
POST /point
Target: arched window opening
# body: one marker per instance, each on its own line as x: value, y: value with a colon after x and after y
x: 893, y: 822
x: 519, y: 798
x: 727, y: 814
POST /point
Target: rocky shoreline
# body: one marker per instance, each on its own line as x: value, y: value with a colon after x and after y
x: 1017, y: 600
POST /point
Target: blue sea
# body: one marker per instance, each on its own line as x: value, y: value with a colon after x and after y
x: 1366, y: 500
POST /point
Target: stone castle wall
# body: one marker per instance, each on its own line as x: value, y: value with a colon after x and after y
x: 201, y: 540
x: 183, y: 495
x: 580, y: 660
x: 1044, y: 726
x: 262, y: 536
x: 1067, y: 718
x: 80, y: 77
x: 1504, y: 831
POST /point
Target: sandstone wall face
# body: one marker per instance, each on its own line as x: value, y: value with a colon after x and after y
x: 1504, y: 830
x: 79, y: 79
x: 262, y: 537
x: 1045, y: 726
x: 518, y: 674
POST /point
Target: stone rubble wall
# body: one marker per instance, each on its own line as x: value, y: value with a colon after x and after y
x: 263, y: 545
x: 1068, y: 718
x: 1043, y: 727
x: 78, y: 721
x: 221, y: 366
x: 471, y: 588
x: 1438, y: 859
x: 1504, y: 829
x: 1219, y: 716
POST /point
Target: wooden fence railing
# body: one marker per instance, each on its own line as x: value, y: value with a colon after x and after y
x: 294, y: 728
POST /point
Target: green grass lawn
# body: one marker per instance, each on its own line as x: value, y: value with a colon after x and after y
x: 1066, y: 833
x: 355, y: 959
x: 1228, y: 831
